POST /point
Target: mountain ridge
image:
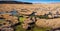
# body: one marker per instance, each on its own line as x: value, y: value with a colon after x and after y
x: 14, y: 2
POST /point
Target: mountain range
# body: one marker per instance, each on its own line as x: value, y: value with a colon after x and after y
x: 14, y: 2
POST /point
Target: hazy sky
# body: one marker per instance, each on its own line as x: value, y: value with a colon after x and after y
x: 39, y: 1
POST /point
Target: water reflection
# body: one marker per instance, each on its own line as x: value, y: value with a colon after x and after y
x: 13, y: 12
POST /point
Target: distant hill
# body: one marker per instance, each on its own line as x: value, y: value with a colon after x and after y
x: 14, y: 2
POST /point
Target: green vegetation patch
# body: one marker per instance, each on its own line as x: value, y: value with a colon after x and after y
x: 43, y: 17
x: 19, y: 28
x: 21, y: 19
x: 40, y: 29
x: 2, y: 21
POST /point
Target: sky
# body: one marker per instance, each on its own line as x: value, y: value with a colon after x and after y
x: 40, y: 1
x: 36, y: 1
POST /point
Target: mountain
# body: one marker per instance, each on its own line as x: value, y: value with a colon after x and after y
x: 14, y: 2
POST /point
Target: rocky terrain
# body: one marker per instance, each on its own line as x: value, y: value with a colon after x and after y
x: 40, y: 15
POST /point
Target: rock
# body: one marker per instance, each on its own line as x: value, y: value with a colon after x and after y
x: 27, y: 21
x: 25, y: 26
x: 57, y: 30
x: 50, y: 16
x: 7, y: 29
x: 52, y: 23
